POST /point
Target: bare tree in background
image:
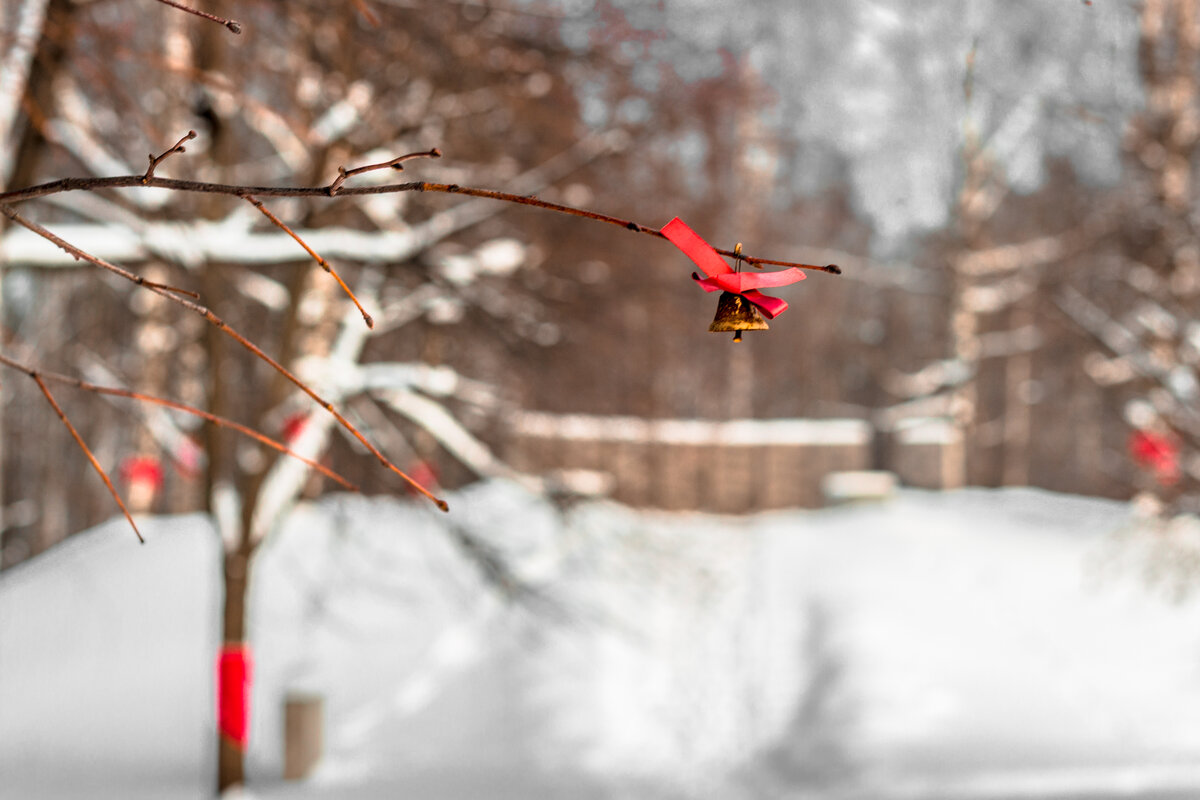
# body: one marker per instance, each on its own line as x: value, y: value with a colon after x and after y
x: 1136, y: 303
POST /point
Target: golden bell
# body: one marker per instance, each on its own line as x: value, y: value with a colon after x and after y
x: 736, y: 313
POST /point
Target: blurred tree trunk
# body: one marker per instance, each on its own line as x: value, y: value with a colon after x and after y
x: 222, y: 474
x: 38, y: 98
x: 28, y: 141
x: 971, y: 216
x: 1018, y: 416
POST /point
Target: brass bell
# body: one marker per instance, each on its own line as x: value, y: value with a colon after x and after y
x: 736, y: 313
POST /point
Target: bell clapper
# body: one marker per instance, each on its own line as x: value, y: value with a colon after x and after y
x: 737, y: 337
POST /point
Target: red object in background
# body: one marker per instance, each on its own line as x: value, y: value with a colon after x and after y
x: 293, y: 426
x: 233, y: 694
x: 721, y: 277
x: 187, y: 456
x: 143, y: 469
x: 1158, y: 453
x: 423, y: 473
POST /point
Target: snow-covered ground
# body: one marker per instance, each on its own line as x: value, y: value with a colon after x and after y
x: 974, y: 644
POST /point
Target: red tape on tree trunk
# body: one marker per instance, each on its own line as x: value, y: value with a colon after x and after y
x: 233, y: 694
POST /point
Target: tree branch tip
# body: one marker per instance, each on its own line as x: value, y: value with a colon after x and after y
x: 234, y: 26
x: 367, y: 318
x: 168, y: 288
x: 191, y: 135
x: 442, y: 504
x: 833, y: 269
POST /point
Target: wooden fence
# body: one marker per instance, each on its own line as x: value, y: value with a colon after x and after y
x: 727, y: 467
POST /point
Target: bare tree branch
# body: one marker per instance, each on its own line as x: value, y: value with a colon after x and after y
x: 176, y: 148
x: 224, y: 327
x: 315, y: 256
x: 234, y: 190
x: 86, y: 450
x: 232, y: 25
x: 177, y: 406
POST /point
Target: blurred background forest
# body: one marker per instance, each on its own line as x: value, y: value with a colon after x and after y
x: 1008, y: 187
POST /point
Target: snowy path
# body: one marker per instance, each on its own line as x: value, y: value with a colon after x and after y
x: 964, y: 645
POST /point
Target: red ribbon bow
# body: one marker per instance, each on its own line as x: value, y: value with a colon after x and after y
x: 721, y: 276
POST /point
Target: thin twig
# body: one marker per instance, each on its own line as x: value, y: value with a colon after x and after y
x: 222, y: 326
x: 233, y: 25
x: 92, y: 184
x: 175, y: 289
x: 177, y: 148
x: 396, y: 163
x: 86, y: 451
x: 177, y: 406
x: 367, y: 12
x: 325, y: 265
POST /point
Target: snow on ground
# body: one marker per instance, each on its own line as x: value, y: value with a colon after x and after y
x: 106, y: 654
x: 970, y: 644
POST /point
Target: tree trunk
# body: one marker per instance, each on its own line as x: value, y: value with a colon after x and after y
x: 38, y: 100
x: 212, y: 56
x: 1018, y: 414
x: 231, y: 754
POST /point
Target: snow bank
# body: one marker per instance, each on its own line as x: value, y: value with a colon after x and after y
x: 107, y: 650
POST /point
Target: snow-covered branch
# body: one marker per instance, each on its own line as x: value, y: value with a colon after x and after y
x: 1179, y: 381
x: 199, y: 241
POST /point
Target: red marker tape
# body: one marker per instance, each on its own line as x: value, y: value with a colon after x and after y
x: 1157, y: 453
x: 233, y: 694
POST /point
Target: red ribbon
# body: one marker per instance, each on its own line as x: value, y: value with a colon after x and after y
x: 721, y: 276
x: 233, y: 693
